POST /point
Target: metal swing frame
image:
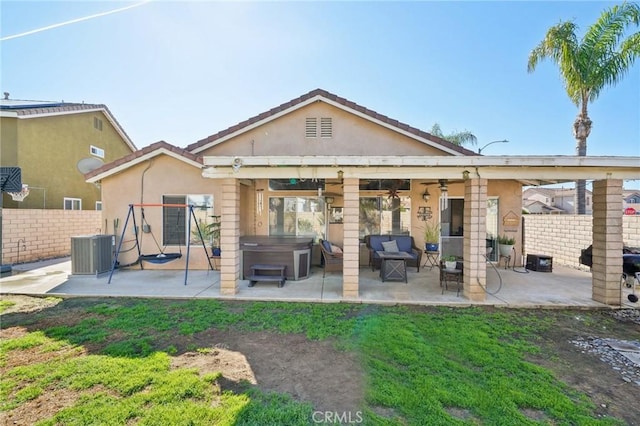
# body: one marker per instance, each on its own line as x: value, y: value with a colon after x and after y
x: 131, y: 214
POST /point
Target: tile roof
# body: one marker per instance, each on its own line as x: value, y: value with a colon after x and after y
x: 342, y: 101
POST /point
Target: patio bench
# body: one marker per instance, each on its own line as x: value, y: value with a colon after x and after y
x: 264, y: 272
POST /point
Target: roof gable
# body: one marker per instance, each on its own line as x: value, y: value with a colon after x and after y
x: 320, y: 95
x: 144, y: 154
x: 37, y: 109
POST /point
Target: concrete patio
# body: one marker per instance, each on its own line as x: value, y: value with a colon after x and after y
x: 516, y: 288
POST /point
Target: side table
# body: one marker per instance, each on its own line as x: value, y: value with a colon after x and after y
x: 431, y: 259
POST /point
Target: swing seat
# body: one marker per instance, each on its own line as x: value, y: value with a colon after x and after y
x: 160, y: 257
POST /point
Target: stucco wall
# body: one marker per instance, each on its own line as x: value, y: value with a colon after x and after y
x: 148, y: 182
x: 351, y: 136
x: 563, y: 236
x: 48, y: 151
x: 43, y: 234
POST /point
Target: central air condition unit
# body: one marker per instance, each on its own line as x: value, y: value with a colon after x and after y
x: 91, y: 254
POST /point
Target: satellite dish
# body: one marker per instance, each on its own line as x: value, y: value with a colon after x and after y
x: 88, y: 164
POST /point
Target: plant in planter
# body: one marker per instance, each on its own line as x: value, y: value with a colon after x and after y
x: 431, y: 236
x: 506, y: 244
x: 450, y: 261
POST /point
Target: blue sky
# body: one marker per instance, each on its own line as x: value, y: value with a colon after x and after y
x: 180, y: 71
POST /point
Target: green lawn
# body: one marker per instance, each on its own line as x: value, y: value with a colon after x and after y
x: 422, y: 366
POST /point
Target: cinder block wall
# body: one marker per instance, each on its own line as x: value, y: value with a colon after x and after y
x: 44, y: 234
x: 564, y: 236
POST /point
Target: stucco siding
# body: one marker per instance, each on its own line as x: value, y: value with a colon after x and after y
x: 352, y: 135
x: 48, y: 151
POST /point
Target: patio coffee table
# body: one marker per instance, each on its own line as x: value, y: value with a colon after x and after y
x: 393, y: 265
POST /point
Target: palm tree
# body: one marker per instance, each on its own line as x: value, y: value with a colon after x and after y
x: 589, y: 65
x: 456, y: 138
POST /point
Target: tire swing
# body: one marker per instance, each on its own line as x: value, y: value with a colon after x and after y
x: 161, y: 257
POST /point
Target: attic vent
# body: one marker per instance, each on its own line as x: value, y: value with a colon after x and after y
x: 326, y: 127
x: 97, y: 123
x: 311, y: 126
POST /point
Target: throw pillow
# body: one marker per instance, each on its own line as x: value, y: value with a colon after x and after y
x: 335, y: 249
x: 327, y: 245
x: 390, y: 246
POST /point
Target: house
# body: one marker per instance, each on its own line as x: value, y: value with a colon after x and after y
x: 553, y: 200
x: 631, y: 201
x: 323, y: 167
x: 54, y: 144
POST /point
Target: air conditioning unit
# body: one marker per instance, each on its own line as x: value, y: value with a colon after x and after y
x: 91, y: 254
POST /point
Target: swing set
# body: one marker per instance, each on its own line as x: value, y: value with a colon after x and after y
x: 160, y: 257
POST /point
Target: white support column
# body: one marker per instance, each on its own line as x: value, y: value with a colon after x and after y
x: 475, y: 234
x: 607, y: 241
x: 230, y: 237
x: 351, y: 218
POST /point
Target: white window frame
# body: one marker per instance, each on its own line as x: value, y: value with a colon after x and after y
x: 99, y: 205
x: 75, y: 202
x: 95, y: 151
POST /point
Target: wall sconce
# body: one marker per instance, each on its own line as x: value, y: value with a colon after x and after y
x: 329, y: 200
x: 465, y: 175
x: 426, y: 196
x: 340, y: 174
x: 444, y: 194
x: 424, y: 213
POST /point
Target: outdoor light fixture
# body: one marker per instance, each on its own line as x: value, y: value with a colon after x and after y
x: 329, y: 200
x: 340, y: 174
x: 426, y: 196
x: 465, y: 175
x: 444, y: 194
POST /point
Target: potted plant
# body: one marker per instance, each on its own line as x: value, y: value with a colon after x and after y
x: 506, y: 244
x: 211, y: 233
x: 431, y: 236
x: 450, y: 261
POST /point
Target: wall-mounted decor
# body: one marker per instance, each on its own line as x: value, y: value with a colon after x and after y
x: 511, y: 220
x: 335, y: 215
x: 424, y: 213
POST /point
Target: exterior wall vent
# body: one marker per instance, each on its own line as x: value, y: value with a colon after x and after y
x: 311, y: 127
x: 326, y: 127
x: 91, y: 254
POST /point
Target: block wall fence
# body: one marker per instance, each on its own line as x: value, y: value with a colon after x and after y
x: 47, y: 234
x: 30, y: 235
x: 564, y: 236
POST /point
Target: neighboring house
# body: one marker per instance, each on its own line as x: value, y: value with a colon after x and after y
x: 54, y: 144
x: 631, y: 200
x: 323, y: 167
x: 555, y: 200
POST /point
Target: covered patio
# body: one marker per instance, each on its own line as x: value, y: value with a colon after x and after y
x: 512, y: 288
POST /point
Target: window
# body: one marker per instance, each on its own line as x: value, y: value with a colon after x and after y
x: 99, y: 205
x: 384, y: 215
x: 72, y: 203
x: 174, y: 224
x: 297, y: 216
x: 98, y: 152
x: 97, y: 123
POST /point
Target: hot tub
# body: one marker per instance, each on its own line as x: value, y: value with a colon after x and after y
x: 293, y: 252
